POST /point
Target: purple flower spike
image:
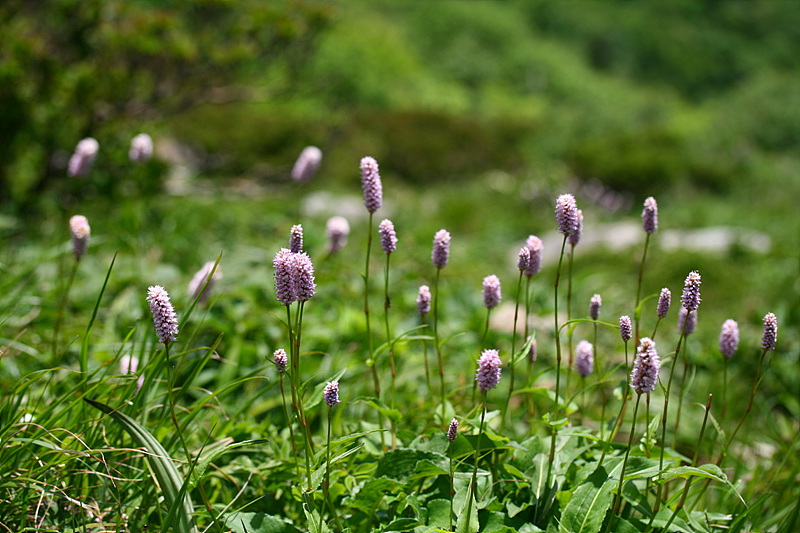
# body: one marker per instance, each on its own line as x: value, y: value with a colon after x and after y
x: 690, y: 317
x: 337, y: 229
x: 491, y: 291
x: 424, y: 300
x: 625, y: 328
x: 650, y: 216
x: 331, y: 393
x: 284, y: 286
x: 567, y: 214
x: 388, y: 236
x: 664, y: 301
x: 296, y: 239
x: 532, y: 353
x: 729, y: 338
x: 304, y: 285
x: 691, y: 291
x: 584, y: 358
x: 164, y: 318
x: 79, y: 227
x: 441, y: 249
x: 371, y: 184
x: 307, y: 164
x: 81, y: 161
x: 488, y: 374
x: 452, y: 431
x: 141, y: 149
x: 524, y: 258
x: 534, y: 244
x: 646, y: 367
x: 594, y: 306
x: 199, y: 281
x: 281, y: 360
x: 575, y: 238
x: 770, y: 335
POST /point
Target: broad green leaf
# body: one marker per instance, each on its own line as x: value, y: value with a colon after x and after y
x: 462, y: 526
x: 258, y: 523
x: 439, y: 513
x: 372, y: 492
x: 401, y: 524
x: 402, y: 463
x: 167, y: 476
x: 585, y: 511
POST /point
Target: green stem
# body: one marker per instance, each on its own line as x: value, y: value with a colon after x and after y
x: 621, y: 415
x: 474, y: 483
x: 570, y: 331
x: 387, y: 304
x: 618, y: 496
x: 61, y: 308
x: 452, y: 486
x: 291, y: 430
x: 558, y: 364
x: 372, y: 363
x: 436, y: 337
x: 512, y: 364
x: 639, y: 288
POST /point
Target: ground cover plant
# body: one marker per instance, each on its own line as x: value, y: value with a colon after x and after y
x: 329, y: 384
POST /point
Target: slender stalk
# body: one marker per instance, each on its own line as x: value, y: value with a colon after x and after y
x: 327, y: 483
x: 387, y: 304
x: 653, y: 336
x: 371, y: 362
x: 531, y: 405
x: 694, y: 463
x: 512, y: 364
x: 558, y: 364
x: 303, y: 420
x: 474, y: 483
x: 427, y: 366
x: 637, y: 314
x: 680, y: 396
x: 483, y: 341
x: 61, y: 308
x: 170, y: 389
x: 664, y: 418
x: 724, y: 391
x: 618, y: 496
x: 452, y: 486
x: 570, y: 331
x: 291, y: 430
x: 436, y: 338
x: 621, y: 415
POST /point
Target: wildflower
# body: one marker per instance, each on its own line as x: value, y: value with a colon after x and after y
x: 488, y: 374
x: 164, y: 318
x: 337, y: 229
x: 729, y: 338
x: 646, y: 367
x: 664, y: 301
x: 371, y: 184
x: 296, y: 239
x: 691, y: 291
x: 331, y: 393
x: 594, y: 306
x: 424, y: 300
x: 81, y: 161
x: 199, y: 280
x: 441, y: 248
x: 567, y: 214
x: 584, y: 358
x: 770, y: 334
x: 524, y: 258
x: 534, y: 244
x: 650, y: 215
x: 284, y: 287
x: 281, y: 360
x: 532, y: 352
x: 452, y: 431
x: 690, y: 318
x: 128, y: 364
x: 79, y: 227
x: 141, y: 149
x: 303, y: 277
x: 307, y: 164
x: 491, y: 291
x: 575, y: 238
x: 388, y: 236
x: 625, y: 328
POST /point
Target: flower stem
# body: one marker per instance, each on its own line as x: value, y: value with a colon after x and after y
x: 436, y: 338
x: 637, y: 314
x: 474, y: 483
x: 387, y: 304
x: 371, y: 362
x: 618, y: 496
x: 558, y: 364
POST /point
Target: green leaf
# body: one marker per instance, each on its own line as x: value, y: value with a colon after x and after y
x: 473, y: 526
x: 167, y: 476
x: 439, y: 513
x: 402, y: 463
x: 401, y: 524
x: 586, y: 509
x: 258, y: 523
x: 372, y: 492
